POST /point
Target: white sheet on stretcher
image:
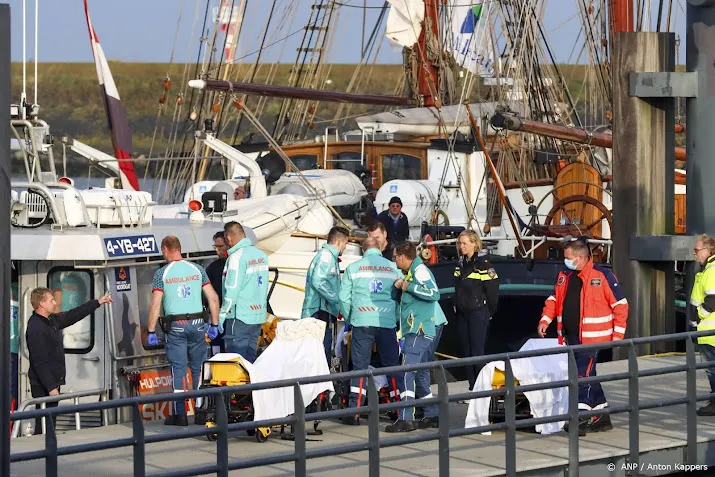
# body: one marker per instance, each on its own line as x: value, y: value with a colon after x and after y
x: 540, y: 369
x: 296, y: 352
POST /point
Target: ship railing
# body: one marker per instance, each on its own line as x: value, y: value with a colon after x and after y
x: 536, y: 242
x: 74, y: 397
x: 128, y: 215
x: 375, y: 442
x: 325, y: 140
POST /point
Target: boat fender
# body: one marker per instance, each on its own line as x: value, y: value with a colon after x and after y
x: 73, y: 207
x: 429, y: 252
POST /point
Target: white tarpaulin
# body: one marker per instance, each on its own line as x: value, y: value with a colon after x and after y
x: 296, y: 352
x: 536, y: 370
x: 426, y: 121
x: 472, y: 36
x: 404, y: 22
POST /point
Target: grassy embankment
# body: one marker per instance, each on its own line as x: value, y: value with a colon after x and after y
x: 71, y: 102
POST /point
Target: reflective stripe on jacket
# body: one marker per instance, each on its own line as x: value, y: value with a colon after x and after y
x: 703, y: 298
x: 604, y: 308
x: 476, y: 285
x: 322, y: 283
x: 419, y: 307
x: 368, y: 296
x: 245, y: 284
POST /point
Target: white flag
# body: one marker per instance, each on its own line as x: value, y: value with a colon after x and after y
x: 404, y: 22
x: 471, y: 36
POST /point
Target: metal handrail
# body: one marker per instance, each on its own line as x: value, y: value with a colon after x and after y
x: 298, y: 420
x: 46, y: 194
x: 60, y: 397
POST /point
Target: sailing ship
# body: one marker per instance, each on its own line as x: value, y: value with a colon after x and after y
x: 450, y: 157
x: 454, y: 166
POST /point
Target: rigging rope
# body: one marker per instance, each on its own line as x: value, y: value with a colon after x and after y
x: 290, y: 165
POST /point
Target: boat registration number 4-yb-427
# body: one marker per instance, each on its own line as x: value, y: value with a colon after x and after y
x: 134, y: 245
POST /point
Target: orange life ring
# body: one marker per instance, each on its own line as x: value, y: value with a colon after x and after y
x: 429, y: 253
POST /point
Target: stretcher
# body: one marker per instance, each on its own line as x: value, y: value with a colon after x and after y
x: 273, y: 363
x: 497, y: 409
x: 239, y: 405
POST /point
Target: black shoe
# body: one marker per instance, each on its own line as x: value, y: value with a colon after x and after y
x: 350, y: 420
x: 175, y: 420
x: 708, y: 410
x: 401, y: 425
x: 581, y: 427
x: 200, y: 419
x: 598, y: 424
x: 428, y: 423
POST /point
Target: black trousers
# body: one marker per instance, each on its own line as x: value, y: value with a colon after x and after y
x: 38, y: 392
x: 472, y: 327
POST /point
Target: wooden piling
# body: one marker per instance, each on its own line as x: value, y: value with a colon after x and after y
x: 643, y: 182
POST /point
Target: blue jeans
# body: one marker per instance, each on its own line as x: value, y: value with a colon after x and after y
x: 435, y: 343
x: 388, y: 351
x: 416, y: 349
x: 186, y: 347
x: 707, y: 353
x: 241, y: 338
x: 323, y: 315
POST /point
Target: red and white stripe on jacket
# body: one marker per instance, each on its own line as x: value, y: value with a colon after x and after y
x: 604, y: 308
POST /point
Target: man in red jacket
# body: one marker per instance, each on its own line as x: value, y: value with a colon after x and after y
x: 589, y: 307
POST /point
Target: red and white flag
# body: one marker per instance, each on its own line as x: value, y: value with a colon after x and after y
x: 116, y: 117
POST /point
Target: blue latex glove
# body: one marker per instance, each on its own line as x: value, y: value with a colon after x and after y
x: 213, y: 332
x: 347, y: 327
x: 152, y: 340
x: 402, y: 345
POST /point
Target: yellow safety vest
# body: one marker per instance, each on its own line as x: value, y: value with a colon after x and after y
x: 704, y: 286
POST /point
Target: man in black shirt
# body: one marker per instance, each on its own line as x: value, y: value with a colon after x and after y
x: 215, y: 274
x: 45, y: 343
x: 572, y: 309
x: 215, y: 269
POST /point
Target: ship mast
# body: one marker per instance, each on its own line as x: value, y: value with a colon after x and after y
x: 427, y: 71
x: 621, y: 16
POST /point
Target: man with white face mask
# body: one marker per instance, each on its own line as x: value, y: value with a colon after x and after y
x: 589, y: 307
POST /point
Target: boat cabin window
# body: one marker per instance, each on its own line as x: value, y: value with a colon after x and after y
x: 71, y: 289
x: 401, y: 166
x: 348, y: 161
x: 305, y: 162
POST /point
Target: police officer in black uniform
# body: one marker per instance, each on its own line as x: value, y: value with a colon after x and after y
x: 476, y: 298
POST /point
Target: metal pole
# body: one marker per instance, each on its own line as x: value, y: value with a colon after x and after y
x: 373, y: 429
x: 5, y: 235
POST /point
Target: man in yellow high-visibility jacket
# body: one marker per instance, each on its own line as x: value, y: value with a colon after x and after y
x: 703, y: 299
